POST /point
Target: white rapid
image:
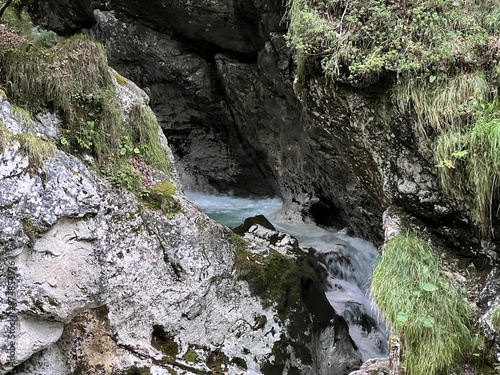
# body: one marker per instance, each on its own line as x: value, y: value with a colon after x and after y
x: 349, y: 262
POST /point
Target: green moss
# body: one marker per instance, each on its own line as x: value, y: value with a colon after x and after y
x: 190, y: 355
x: 35, y: 148
x: 119, y: 78
x: 430, y: 316
x: 160, y: 197
x: 215, y: 361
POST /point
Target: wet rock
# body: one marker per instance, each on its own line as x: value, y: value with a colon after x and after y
x: 375, y: 366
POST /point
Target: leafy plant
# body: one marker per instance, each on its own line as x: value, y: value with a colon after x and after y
x: 427, y: 312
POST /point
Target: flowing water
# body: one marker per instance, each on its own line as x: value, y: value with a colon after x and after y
x: 349, y: 262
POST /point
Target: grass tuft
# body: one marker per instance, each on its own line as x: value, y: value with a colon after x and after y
x: 442, y: 104
x: 35, y: 148
x: 430, y: 316
x: 495, y: 318
x: 469, y: 162
x: 143, y: 121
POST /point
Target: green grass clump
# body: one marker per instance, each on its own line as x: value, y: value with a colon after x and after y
x: 190, y: 356
x: 430, y: 316
x: 442, y: 104
x: 35, y: 148
x: 495, y: 318
x: 23, y: 116
x: 143, y: 121
x: 469, y: 161
x: 17, y: 17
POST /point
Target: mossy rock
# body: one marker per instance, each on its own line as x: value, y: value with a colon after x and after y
x: 292, y: 286
x: 190, y: 355
x: 215, y: 361
x: 119, y: 78
x: 160, y: 197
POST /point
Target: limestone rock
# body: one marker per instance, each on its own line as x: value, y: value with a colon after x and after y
x: 96, y: 281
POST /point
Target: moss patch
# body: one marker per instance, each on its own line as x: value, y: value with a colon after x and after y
x: 190, y: 355
x: 216, y: 361
x: 160, y: 197
x: 295, y: 290
x: 119, y: 78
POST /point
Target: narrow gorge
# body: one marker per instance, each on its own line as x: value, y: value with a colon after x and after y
x: 364, y: 131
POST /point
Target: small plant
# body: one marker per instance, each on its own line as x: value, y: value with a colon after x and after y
x: 122, y: 175
x: 429, y: 315
x: 45, y: 38
x: 190, y: 355
x: 495, y: 318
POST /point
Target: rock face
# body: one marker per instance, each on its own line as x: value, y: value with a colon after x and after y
x: 221, y: 83
x: 94, y: 281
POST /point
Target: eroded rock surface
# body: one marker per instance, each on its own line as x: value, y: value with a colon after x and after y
x: 95, y: 281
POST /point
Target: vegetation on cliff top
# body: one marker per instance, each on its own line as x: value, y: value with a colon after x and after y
x: 71, y: 77
x: 357, y: 41
x: 443, y: 60
x: 430, y: 315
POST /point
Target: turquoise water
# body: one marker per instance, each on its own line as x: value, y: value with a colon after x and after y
x: 349, y: 260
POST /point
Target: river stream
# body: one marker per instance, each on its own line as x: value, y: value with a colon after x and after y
x: 349, y: 262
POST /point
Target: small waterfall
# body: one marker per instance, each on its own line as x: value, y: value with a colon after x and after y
x: 348, y: 261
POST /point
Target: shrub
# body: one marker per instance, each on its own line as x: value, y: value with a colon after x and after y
x: 428, y: 314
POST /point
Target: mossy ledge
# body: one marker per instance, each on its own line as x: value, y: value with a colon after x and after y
x: 71, y: 77
x: 293, y: 288
x: 429, y: 315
